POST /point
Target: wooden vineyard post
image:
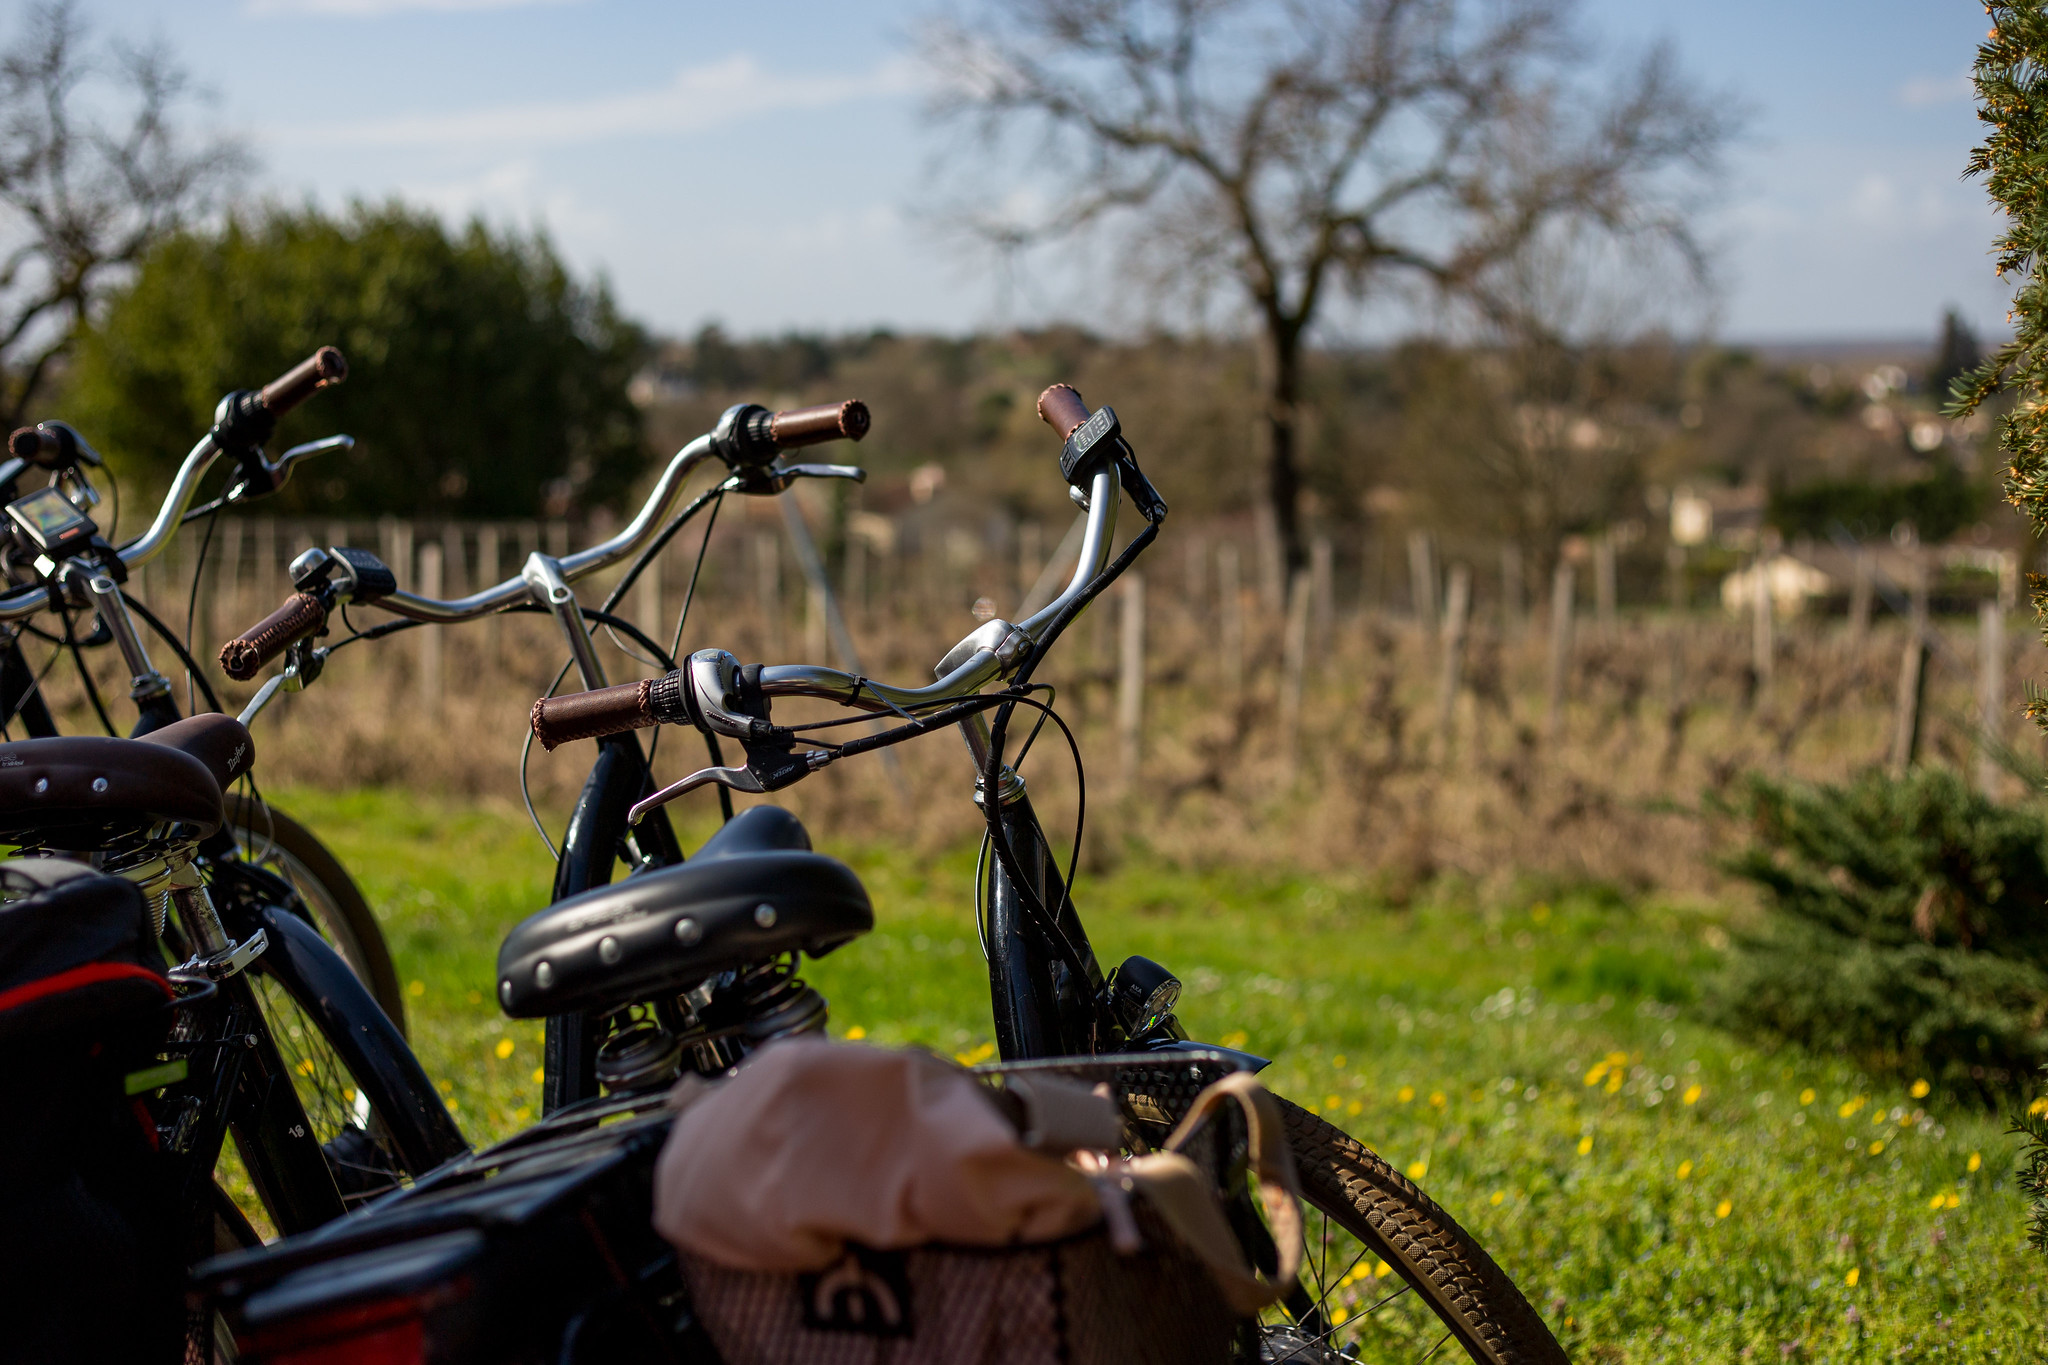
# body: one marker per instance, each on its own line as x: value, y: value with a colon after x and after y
x: 1457, y: 609
x: 1762, y: 648
x: 1512, y: 593
x: 1422, y: 579
x: 1322, y: 589
x: 1860, y: 587
x: 1562, y: 591
x: 647, y: 610
x: 1990, y: 694
x: 1230, y: 618
x: 1603, y: 583
x: 488, y: 572
x: 1130, y: 683
x: 430, y: 636
x: 1906, y: 712
x: 768, y: 591
x: 1295, y: 667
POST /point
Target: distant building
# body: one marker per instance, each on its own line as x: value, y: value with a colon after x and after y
x: 1718, y: 516
x: 1789, y: 582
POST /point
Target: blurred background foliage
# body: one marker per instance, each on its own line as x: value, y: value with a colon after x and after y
x: 484, y: 379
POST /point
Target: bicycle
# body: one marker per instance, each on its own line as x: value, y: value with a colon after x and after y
x: 614, y: 957
x: 747, y: 445
x: 291, y: 1054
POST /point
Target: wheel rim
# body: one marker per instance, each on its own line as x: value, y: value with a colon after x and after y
x: 1346, y: 1311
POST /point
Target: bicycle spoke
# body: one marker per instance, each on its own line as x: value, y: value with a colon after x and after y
x: 1434, y: 1349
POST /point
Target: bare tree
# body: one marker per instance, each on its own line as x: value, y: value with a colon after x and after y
x: 93, y: 170
x: 1295, y: 148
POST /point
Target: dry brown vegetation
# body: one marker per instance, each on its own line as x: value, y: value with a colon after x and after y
x: 1663, y: 712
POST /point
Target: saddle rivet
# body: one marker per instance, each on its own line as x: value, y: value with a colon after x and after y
x: 688, y: 931
x: 544, y: 975
x: 608, y: 949
x: 764, y: 915
x: 42, y: 785
x: 99, y: 784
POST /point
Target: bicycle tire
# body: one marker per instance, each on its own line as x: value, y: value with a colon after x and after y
x: 1472, y: 1298
x: 338, y: 905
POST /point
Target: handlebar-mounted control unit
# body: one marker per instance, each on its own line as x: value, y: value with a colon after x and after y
x: 324, y: 580
x: 47, y: 525
x: 1092, y: 439
x: 246, y: 418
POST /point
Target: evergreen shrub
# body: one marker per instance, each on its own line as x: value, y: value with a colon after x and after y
x: 1906, y: 927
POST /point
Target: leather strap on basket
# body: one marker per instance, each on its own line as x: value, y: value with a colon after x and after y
x: 1184, y: 1197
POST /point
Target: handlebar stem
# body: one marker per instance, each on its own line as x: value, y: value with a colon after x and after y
x: 546, y: 584
x: 144, y: 680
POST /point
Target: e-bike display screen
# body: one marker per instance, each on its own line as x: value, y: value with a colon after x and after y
x: 50, y: 523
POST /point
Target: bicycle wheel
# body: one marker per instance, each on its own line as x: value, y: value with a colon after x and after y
x: 267, y: 837
x: 1439, y: 1287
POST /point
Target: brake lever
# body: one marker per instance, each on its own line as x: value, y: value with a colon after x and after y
x: 302, y: 669
x: 279, y: 471
x: 776, y: 477
x: 738, y: 779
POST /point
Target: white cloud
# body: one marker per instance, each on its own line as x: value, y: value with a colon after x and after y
x: 373, y: 9
x: 1923, y: 92
x: 699, y: 97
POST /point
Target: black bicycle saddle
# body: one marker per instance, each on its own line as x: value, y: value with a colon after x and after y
x: 753, y: 892
x: 85, y: 792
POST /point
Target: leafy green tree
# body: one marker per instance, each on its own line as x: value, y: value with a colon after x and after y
x: 2013, y: 159
x: 484, y: 379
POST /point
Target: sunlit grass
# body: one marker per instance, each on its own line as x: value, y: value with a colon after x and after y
x: 1660, y: 1190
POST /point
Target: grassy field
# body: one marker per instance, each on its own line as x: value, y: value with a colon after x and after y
x: 1661, y: 1191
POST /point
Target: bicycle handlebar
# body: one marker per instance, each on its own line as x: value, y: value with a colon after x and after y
x: 988, y: 654
x: 797, y: 427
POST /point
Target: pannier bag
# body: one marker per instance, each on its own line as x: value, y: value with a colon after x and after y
x: 834, y: 1203
x: 89, y: 1264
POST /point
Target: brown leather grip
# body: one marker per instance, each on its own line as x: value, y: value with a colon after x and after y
x: 317, y: 371
x: 300, y: 616
x: 825, y: 422
x: 592, y: 715
x: 1062, y: 409
x: 37, y: 446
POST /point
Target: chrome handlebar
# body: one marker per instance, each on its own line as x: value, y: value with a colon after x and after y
x: 26, y: 602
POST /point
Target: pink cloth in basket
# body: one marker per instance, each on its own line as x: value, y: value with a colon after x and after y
x: 813, y: 1144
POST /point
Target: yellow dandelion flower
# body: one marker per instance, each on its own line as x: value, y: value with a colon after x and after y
x: 1684, y: 1169
x: 1405, y: 1093
x: 1338, y: 1061
x: 1855, y: 1274
x: 1597, y: 1074
x: 856, y: 1033
x: 2039, y: 1106
x: 504, y: 1048
x: 1381, y: 1270
x: 453, y: 1104
x: 1614, y: 1079
x: 539, y: 1075
x: 1436, y: 1099
x: 975, y: 1056
x: 1724, y: 1208
x: 447, y: 1087
x: 1918, y: 1090
x: 521, y: 1114
x: 1585, y: 1144
x: 1877, y: 1146
x: 1235, y: 1038
x: 1417, y: 1169
x: 1354, y: 1108
x: 1807, y: 1096
x: 1338, y: 1315
x: 1950, y: 1200
x: 1976, y: 1161
x: 349, y: 1094
x: 306, y: 1066
x: 416, y: 988
x: 1692, y: 1094
x: 1497, y: 1197
x: 1850, y: 1107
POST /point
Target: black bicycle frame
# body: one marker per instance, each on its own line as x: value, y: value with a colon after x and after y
x: 597, y: 837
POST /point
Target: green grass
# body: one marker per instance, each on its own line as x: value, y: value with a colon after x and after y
x: 1662, y: 1191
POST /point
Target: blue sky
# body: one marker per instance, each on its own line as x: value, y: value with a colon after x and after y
x: 764, y: 164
